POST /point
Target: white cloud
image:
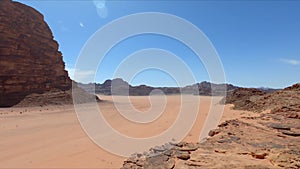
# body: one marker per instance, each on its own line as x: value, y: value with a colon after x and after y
x: 81, y: 24
x: 100, y: 3
x: 290, y: 61
x: 101, y: 8
x: 84, y: 76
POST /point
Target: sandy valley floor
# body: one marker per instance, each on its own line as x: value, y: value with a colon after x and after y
x: 51, y: 137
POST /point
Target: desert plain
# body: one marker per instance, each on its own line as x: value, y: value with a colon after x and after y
x: 52, y: 137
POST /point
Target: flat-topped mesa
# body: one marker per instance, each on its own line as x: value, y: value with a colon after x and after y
x: 30, y: 60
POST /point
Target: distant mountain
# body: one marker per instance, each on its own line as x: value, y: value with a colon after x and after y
x: 120, y: 87
x: 267, y: 89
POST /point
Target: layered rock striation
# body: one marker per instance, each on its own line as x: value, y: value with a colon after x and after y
x: 29, y: 58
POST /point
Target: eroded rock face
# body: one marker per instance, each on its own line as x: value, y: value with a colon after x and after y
x: 295, y: 87
x: 286, y: 100
x: 30, y: 60
x: 244, y: 98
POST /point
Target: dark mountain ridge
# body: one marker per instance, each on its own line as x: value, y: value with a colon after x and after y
x: 120, y: 87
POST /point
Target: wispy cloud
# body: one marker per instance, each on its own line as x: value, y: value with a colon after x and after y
x: 290, y: 61
x: 101, y: 8
x: 81, y: 24
x: 84, y: 76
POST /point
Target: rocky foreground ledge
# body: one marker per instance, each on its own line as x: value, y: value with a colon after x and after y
x: 265, y: 141
x: 269, y: 139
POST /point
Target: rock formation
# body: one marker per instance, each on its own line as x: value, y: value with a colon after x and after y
x: 256, y: 100
x: 244, y: 98
x: 268, y: 139
x: 256, y: 142
x: 30, y: 60
x: 295, y: 87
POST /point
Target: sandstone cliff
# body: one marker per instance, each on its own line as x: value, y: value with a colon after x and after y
x: 30, y: 60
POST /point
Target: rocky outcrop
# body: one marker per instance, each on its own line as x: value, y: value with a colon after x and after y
x: 244, y: 98
x: 30, y: 60
x: 295, y: 87
x: 256, y: 100
x: 264, y: 141
x: 57, y: 97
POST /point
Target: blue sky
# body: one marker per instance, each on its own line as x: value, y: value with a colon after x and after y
x: 258, y: 42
